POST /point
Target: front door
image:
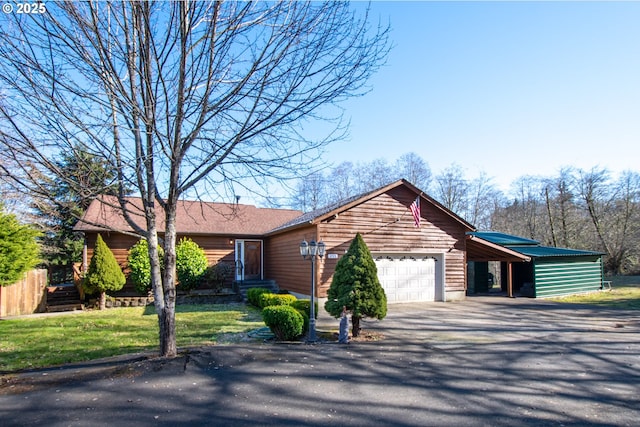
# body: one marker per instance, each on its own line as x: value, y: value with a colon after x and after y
x: 248, y: 259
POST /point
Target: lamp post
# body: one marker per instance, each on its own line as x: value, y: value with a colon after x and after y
x: 312, y: 250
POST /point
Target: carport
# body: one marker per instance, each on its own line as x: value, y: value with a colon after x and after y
x: 484, y: 247
x: 535, y: 270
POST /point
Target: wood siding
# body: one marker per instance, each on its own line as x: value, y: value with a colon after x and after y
x: 216, y: 248
x: 283, y: 262
x: 386, y: 224
x: 384, y: 220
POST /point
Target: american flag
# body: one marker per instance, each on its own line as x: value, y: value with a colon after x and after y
x: 415, y: 211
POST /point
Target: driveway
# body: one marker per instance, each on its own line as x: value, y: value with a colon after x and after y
x: 486, y: 361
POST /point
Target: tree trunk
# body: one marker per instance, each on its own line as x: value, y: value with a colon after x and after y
x: 167, y: 324
x: 355, y: 326
x: 102, y: 300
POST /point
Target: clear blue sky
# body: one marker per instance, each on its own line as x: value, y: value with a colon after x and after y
x: 508, y: 88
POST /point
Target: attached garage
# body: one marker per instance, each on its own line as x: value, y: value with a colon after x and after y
x: 418, y: 245
x: 410, y: 277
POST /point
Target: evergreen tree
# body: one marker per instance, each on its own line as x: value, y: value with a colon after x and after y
x: 356, y: 286
x: 19, y: 251
x: 85, y: 177
x: 104, y: 273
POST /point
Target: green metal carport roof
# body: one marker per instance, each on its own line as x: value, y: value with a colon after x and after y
x: 556, y: 271
x: 548, y: 251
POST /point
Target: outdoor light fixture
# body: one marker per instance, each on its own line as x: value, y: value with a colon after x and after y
x: 312, y: 250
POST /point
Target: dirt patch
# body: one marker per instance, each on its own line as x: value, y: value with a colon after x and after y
x: 366, y: 336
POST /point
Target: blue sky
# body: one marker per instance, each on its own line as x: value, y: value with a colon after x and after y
x: 508, y: 88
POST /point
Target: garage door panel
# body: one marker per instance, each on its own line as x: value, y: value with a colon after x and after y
x: 407, y: 278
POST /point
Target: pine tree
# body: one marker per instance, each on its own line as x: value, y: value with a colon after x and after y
x: 104, y: 273
x: 356, y: 286
x: 19, y: 251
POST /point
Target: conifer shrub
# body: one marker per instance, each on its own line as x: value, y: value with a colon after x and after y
x: 355, y: 285
x: 268, y: 299
x: 285, y: 322
x: 19, y: 250
x: 253, y: 295
x: 191, y: 263
x: 140, y: 266
x: 104, y: 273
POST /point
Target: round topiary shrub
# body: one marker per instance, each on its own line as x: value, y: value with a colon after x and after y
x: 191, y: 263
x: 140, y: 266
x: 285, y: 322
x: 253, y: 295
x: 269, y: 299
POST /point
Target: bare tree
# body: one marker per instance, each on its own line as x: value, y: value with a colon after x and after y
x: 451, y: 188
x: 482, y: 197
x: 311, y: 192
x: 181, y: 98
x: 414, y: 169
x: 595, y: 193
x: 561, y: 210
x: 626, y: 224
x: 341, y: 182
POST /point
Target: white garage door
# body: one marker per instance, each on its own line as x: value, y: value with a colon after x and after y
x: 407, y: 278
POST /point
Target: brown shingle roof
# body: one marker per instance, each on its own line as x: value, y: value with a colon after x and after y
x: 192, y: 217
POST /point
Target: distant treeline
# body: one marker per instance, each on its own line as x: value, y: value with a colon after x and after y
x: 582, y: 209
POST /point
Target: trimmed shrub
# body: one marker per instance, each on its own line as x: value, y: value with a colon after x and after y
x: 285, y: 322
x: 191, y: 263
x: 269, y: 299
x: 104, y: 273
x: 253, y: 295
x: 140, y: 265
x: 304, y: 305
x: 216, y: 274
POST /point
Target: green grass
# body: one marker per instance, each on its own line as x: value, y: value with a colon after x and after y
x: 42, y: 341
x: 624, y: 294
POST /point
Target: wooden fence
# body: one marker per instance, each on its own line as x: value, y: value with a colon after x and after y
x: 25, y: 297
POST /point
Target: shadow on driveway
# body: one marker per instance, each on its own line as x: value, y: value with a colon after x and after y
x: 484, y: 361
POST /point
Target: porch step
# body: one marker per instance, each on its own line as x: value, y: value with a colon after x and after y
x: 63, y: 298
x: 65, y: 307
x: 243, y: 286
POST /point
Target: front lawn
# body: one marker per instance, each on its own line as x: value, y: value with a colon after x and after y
x: 41, y: 341
x: 624, y: 294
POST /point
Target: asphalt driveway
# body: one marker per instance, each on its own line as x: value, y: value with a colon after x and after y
x: 488, y: 361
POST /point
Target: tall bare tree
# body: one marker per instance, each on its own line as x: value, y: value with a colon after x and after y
x: 414, y: 169
x: 181, y: 98
x: 451, y: 189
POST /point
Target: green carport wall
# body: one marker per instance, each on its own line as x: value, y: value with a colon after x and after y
x: 557, y: 276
